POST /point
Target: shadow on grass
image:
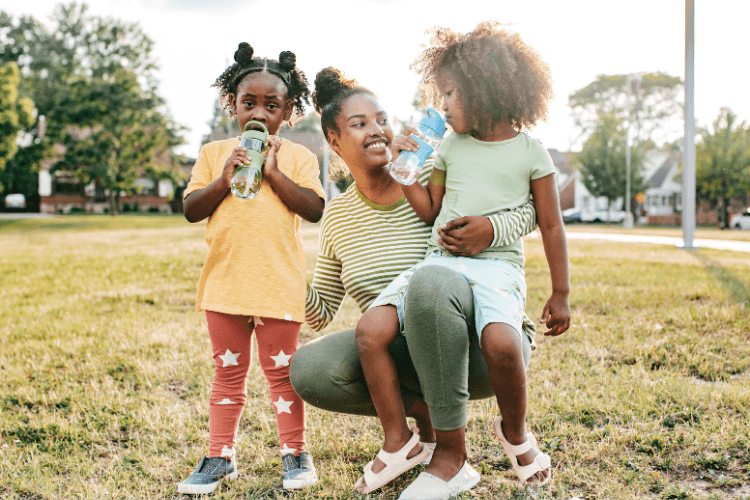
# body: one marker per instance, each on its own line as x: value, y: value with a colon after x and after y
x: 737, y: 288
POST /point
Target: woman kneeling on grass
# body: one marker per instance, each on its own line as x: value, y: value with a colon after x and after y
x: 369, y: 235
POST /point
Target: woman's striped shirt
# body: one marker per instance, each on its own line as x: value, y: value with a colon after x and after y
x: 364, y: 246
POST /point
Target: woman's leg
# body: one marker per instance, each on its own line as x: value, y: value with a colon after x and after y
x: 327, y: 373
x: 438, y: 324
x: 231, y: 344
x: 277, y: 342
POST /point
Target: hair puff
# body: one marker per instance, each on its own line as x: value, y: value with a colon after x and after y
x: 287, y: 60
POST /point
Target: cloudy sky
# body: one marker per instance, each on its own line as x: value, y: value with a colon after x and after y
x: 374, y: 41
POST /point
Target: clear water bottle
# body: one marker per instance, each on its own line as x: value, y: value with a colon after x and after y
x: 247, y: 178
x: 430, y: 131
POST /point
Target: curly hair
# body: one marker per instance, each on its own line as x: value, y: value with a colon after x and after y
x: 498, y: 75
x: 285, y: 68
x: 332, y: 90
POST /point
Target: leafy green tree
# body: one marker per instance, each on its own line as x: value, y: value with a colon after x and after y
x: 603, y: 161
x: 80, y: 70
x: 656, y: 106
x: 723, y: 162
x: 120, y: 135
x: 15, y: 113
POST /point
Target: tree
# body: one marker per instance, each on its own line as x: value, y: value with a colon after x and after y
x: 120, y: 135
x: 15, y: 113
x: 723, y: 162
x: 603, y: 161
x: 656, y: 106
x: 80, y: 71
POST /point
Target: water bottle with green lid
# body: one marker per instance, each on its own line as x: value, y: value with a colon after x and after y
x: 247, y: 178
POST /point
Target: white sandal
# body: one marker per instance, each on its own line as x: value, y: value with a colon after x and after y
x: 526, y: 473
x: 395, y: 464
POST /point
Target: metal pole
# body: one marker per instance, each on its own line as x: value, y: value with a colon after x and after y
x: 628, y: 222
x: 688, y: 181
x: 326, y: 169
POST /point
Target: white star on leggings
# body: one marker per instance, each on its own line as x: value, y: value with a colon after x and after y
x: 281, y: 359
x: 283, y: 406
x: 229, y: 359
x: 286, y: 450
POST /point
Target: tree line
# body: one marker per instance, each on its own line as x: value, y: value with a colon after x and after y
x: 92, y: 82
x: 649, y: 107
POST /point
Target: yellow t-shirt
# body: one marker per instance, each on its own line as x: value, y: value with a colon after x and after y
x: 255, y: 264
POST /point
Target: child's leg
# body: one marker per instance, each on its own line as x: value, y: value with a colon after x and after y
x: 501, y: 346
x: 376, y: 331
x: 277, y: 342
x: 231, y: 343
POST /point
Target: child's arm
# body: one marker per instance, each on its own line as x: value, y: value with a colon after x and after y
x: 467, y: 236
x: 201, y: 203
x: 426, y: 201
x: 556, y: 312
x: 303, y: 201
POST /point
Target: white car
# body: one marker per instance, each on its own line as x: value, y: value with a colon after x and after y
x: 741, y: 220
x: 16, y: 200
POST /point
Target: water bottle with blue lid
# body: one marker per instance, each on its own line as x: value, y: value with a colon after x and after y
x: 247, y: 178
x: 430, y: 131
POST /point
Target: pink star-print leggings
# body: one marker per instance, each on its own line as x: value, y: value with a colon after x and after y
x: 231, y: 341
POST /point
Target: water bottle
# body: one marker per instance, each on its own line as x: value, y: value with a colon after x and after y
x: 247, y: 178
x: 430, y: 131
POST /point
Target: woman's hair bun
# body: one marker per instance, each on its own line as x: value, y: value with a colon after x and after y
x: 329, y: 82
x: 244, y: 54
x: 287, y: 60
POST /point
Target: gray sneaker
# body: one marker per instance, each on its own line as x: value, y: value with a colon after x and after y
x: 299, y: 472
x: 207, y: 476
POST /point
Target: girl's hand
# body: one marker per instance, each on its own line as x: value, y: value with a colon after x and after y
x: 238, y: 157
x: 556, y: 314
x: 274, y: 143
x: 404, y: 142
x: 466, y: 236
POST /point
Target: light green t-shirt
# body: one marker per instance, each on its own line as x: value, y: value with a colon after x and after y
x: 484, y: 178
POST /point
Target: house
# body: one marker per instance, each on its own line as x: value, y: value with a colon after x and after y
x: 573, y: 193
x: 61, y: 193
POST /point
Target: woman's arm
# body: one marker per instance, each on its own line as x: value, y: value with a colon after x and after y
x: 556, y: 312
x: 467, y: 236
x: 303, y: 201
x: 326, y: 292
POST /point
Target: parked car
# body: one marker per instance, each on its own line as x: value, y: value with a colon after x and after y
x: 15, y: 201
x: 741, y: 220
x: 573, y: 215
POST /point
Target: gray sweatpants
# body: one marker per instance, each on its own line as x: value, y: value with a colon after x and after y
x: 438, y: 358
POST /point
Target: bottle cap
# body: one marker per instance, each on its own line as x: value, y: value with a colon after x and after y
x: 254, y: 133
x: 424, y: 152
x: 434, y: 122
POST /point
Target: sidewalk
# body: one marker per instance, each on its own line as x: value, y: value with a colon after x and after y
x: 733, y: 245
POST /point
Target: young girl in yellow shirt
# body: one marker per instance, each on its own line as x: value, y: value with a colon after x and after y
x: 253, y: 279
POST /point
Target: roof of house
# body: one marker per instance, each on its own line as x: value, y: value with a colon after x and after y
x: 560, y: 160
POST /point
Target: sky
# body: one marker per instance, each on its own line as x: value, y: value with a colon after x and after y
x: 375, y: 41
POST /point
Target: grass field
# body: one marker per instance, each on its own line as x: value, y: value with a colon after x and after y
x: 106, y: 371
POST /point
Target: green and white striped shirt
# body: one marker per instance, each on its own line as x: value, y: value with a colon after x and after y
x: 364, y: 246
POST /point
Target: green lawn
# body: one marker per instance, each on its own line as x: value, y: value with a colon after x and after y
x: 106, y: 373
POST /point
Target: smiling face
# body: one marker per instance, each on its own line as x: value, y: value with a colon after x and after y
x: 364, y: 133
x: 452, y: 105
x: 261, y: 97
